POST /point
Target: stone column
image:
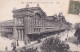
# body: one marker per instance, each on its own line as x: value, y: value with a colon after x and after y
x: 19, y: 34
x: 22, y: 33
x: 15, y: 34
x: 26, y: 28
x: 31, y: 25
x: 42, y: 25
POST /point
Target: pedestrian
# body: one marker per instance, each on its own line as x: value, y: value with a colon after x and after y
x: 25, y: 42
x: 6, y: 48
x: 13, y: 44
x: 14, y: 48
x: 17, y: 43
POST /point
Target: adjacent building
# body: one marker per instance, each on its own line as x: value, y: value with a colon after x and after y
x: 6, y: 28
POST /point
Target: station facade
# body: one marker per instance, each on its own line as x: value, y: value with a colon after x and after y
x: 33, y: 20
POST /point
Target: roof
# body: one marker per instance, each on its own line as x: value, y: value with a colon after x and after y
x: 50, y: 17
x: 32, y: 9
x: 7, y: 23
x: 29, y: 8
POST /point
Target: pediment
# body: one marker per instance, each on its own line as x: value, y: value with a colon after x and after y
x: 30, y: 11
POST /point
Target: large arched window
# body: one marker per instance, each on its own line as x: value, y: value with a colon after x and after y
x: 37, y: 15
x: 37, y: 19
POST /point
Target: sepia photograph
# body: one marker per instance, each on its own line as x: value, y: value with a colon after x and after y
x: 39, y: 25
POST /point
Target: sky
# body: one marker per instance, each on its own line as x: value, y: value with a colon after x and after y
x: 51, y: 7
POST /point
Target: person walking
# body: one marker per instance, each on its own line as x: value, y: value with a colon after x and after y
x: 6, y: 48
x: 13, y: 44
x: 17, y: 43
x: 25, y: 42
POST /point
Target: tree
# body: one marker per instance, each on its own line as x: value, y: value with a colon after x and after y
x: 77, y: 25
x: 54, y: 45
x: 32, y: 49
x: 77, y: 34
x: 55, y: 17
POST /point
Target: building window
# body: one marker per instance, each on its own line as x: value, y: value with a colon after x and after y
x: 21, y: 21
x: 37, y: 29
x: 37, y: 22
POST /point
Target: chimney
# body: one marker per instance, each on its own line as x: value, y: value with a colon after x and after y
x: 37, y: 5
x: 14, y: 8
x: 27, y: 6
